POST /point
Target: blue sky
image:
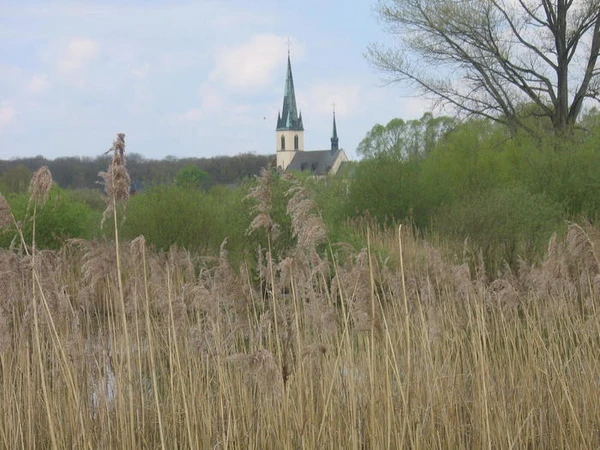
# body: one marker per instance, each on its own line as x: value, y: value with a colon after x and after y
x: 186, y: 78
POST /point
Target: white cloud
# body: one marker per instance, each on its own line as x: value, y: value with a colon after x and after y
x: 74, y: 61
x: 78, y: 54
x: 252, y: 64
x: 38, y: 83
x: 212, y: 103
x: 7, y: 115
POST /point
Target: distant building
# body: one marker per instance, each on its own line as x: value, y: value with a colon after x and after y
x: 290, y: 139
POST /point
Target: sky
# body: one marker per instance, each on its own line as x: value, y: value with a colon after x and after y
x: 187, y: 78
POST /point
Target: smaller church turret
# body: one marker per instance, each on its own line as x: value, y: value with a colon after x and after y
x: 334, y: 138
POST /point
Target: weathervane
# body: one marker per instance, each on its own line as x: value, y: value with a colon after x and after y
x: 333, y: 106
x: 289, y: 44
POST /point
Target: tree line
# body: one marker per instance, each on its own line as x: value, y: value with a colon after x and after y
x: 82, y: 172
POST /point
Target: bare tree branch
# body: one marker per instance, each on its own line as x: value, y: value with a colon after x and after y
x: 492, y: 57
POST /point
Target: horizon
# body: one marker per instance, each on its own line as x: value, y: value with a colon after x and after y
x: 185, y: 78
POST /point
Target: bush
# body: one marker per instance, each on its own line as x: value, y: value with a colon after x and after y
x: 387, y: 189
x: 565, y: 170
x: 60, y: 218
x: 190, y: 218
x: 505, y: 223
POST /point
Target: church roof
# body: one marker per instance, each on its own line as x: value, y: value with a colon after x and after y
x: 319, y: 162
x: 289, y: 119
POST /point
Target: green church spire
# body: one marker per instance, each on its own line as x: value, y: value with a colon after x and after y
x: 289, y: 119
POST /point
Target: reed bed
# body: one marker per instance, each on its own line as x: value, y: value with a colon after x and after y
x: 106, y: 346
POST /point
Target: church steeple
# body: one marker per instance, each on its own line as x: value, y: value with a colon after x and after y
x: 289, y: 119
x: 334, y: 137
x: 290, y: 130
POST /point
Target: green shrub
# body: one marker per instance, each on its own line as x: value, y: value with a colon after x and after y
x: 387, y: 189
x: 171, y: 215
x: 505, y: 223
x: 567, y: 171
x: 60, y: 218
x: 94, y: 198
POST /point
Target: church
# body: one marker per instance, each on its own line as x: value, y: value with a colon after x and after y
x: 290, y: 139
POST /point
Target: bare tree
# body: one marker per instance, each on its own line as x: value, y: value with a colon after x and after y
x: 496, y: 58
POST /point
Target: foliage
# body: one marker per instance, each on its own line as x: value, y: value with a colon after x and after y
x: 404, y: 140
x: 505, y: 224
x: 490, y: 58
x: 59, y: 219
x: 82, y: 172
x: 15, y: 180
x: 504, y: 192
x: 191, y: 177
x: 169, y: 215
x: 387, y: 189
x: 564, y: 169
x: 94, y: 198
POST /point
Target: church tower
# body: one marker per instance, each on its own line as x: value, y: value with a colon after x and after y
x: 290, y: 130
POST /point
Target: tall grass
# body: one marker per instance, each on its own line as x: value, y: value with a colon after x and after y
x: 318, y: 349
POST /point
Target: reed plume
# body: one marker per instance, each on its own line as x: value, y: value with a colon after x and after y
x: 40, y: 185
x: 116, y: 179
x: 262, y: 193
x: 307, y: 226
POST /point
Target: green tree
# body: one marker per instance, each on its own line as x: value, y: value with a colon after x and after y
x: 386, y: 188
x: 403, y: 140
x: 191, y: 177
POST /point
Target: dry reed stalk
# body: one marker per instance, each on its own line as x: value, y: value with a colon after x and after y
x: 39, y: 189
x: 117, y: 186
x: 138, y: 248
x: 262, y: 193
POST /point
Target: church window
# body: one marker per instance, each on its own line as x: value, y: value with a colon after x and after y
x: 296, y: 142
x: 282, y: 142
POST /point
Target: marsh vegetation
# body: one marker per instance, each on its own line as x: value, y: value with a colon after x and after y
x: 313, y: 344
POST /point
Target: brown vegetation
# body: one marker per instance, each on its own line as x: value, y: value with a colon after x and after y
x: 105, y: 346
